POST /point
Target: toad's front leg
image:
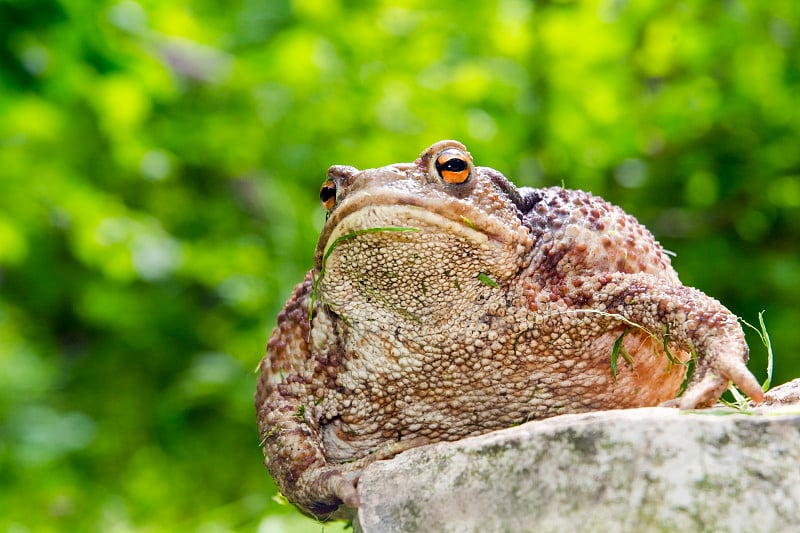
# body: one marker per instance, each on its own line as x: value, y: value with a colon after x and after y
x: 690, y: 320
x: 291, y: 382
x: 295, y: 457
x: 289, y: 435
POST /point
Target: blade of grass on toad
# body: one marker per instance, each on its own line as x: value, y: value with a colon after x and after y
x: 486, y: 280
x: 666, y: 348
x: 615, y: 352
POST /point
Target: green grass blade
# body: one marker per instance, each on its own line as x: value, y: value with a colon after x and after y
x: 770, y: 359
x: 486, y: 280
x: 763, y: 334
x: 664, y: 342
x: 615, y: 351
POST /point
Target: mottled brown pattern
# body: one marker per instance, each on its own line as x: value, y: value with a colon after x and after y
x: 444, y: 310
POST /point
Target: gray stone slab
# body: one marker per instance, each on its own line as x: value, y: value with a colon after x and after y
x: 638, y: 470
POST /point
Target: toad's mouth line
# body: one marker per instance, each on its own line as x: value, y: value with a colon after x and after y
x: 371, y: 213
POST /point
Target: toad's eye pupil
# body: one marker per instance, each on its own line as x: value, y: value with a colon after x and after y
x: 452, y: 167
x: 454, y: 164
x: 327, y: 194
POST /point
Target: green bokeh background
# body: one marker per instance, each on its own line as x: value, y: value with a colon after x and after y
x: 159, y: 171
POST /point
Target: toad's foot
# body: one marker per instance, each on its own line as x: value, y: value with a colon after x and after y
x: 712, y: 377
x: 336, y: 485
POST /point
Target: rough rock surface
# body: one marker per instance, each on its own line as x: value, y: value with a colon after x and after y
x: 651, y: 469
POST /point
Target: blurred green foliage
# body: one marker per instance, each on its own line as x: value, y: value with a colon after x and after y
x: 159, y: 169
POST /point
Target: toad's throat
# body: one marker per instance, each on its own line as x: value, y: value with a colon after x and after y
x: 411, y: 274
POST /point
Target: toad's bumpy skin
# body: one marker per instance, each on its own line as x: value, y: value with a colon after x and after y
x: 446, y: 302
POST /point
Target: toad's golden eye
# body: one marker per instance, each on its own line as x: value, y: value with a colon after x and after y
x: 327, y: 194
x: 452, y: 166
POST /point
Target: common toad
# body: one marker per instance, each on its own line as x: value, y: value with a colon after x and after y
x: 446, y: 302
